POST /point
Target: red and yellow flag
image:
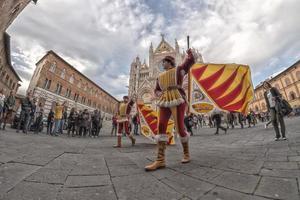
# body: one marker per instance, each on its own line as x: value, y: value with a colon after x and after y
x: 227, y: 86
x: 149, y: 123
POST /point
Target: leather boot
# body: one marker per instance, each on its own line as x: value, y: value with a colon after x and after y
x: 119, y: 143
x: 186, y: 153
x: 160, y: 161
x: 132, y: 140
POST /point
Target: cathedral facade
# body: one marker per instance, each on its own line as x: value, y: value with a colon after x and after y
x: 143, y: 76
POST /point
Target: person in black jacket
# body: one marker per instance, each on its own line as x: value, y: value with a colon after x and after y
x: 50, y: 121
x: 188, y: 122
x: 72, y: 122
x: 26, y: 106
x: 272, y: 98
x: 217, y: 118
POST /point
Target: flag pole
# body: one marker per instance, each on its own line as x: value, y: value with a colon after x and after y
x: 189, y: 77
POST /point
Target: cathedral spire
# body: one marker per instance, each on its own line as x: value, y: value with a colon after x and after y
x: 151, y: 48
x: 162, y: 36
x: 176, y: 46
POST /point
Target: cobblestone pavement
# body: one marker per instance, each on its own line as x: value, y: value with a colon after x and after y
x: 243, y: 164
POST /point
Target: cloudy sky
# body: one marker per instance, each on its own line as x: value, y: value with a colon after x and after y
x: 101, y: 37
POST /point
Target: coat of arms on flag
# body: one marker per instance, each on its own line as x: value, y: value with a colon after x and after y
x: 149, y: 123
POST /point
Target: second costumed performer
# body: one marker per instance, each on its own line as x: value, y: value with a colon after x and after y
x: 123, y: 120
x: 171, y: 101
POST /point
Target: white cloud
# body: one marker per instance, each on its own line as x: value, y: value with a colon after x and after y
x: 102, y: 37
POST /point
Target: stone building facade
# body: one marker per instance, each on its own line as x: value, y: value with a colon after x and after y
x: 9, y: 10
x: 55, y: 80
x: 288, y: 83
x: 143, y: 76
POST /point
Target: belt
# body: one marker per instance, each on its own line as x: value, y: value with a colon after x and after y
x: 173, y: 87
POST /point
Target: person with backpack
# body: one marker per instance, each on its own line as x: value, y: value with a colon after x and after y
x: 96, y: 117
x: 72, y: 122
x: 273, y: 100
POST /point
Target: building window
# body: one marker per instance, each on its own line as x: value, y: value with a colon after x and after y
x: 79, y: 84
x: 58, y: 88
x: 53, y: 67
x: 63, y: 73
x: 6, y: 79
x: 83, y: 100
x: 277, y: 86
x: 287, y: 81
x: 298, y: 75
x: 3, y: 74
x: 68, y: 93
x: 263, y: 106
x: 260, y: 95
x: 71, y: 80
x: 10, y: 83
x: 14, y: 85
x: 76, y: 96
x: 292, y: 96
x: 47, y: 84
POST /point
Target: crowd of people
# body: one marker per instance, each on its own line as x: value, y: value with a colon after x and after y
x: 31, y: 118
x: 85, y: 123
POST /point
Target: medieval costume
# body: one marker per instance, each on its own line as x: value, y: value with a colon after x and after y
x: 172, y: 101
x: 123, y: 120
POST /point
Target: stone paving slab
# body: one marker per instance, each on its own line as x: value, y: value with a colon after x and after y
x: 13, y: 173
x: 281, y: 165
x: 278, y: 188
x: 87, y: 181
x: 237, y: 181
x: 46, y: 175
x: 204, y: 173
x: 33, y: 191
x: 188, y: 186
x: 219, y: 193
x: 88, y: 193
x: 143, y: 186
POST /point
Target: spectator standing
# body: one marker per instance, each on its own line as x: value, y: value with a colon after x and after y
x: 9, y: 105
x: 135, y: 124
x: 26, y: 106
x: 50, y: 121
x: 72, y: 122
x: 114, y: 126
x: 272, y: 98
x: 63, y: 120
x: 217, y: 118
x: 38, y: 125
x: 96, y: 118
x: 188, y: 122
x: 58, y: 114
x: 2, y: 100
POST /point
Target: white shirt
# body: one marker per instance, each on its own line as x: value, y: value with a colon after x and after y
x: 271, y: 99
x: 2, y: 98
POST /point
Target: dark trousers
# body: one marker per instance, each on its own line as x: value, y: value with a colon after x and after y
x: 219, y: 126
x: 71, y: 127
x: 6, y: 115
x: 38, y: 124
x: 82, y: 131
x: 24, y: 117
x: 136, y: 128
x: 49, y: 127
x: 190, y: 130
x: 114, y: 129
x: 277, y: 118
x: 95, y: 128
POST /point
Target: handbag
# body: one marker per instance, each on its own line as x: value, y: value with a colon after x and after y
x: 285, y: 107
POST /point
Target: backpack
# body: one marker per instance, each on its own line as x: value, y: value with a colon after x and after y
x: 285, y: 107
